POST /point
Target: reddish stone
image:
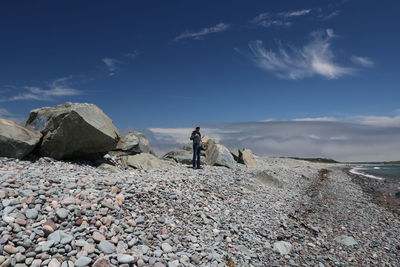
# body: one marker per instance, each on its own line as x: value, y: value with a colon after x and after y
x: 101, y: 262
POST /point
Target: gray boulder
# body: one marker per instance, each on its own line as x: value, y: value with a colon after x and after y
x: 346, y: 240
x: 16, y: 141
x: 282, y: 247
x: 235, y: 153
x: 73, y: 130
x: 218, y: 155
x: 143, y: 161
x: 246, y: 157
x: 133, y: 143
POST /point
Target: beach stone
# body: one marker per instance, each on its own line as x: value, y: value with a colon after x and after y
x: 10, y: 249
x: 166, y: 247
x: 62, y: 213
x: 31, y: 214
x: 282, y: 247
x: 73, y: 130
x: 8, y: 219
x: 143, y: 161
x: 346, y: 240
x: 106, y: 247
x: 218, y: 155
x: 19, y: 257
x: 159, y: 264
x: 36, y: 263
x: 101, y: 262
x: 17, y: 141
x: 124, y: 258
x: 47, y: 229
x: 97, y: 236
x: 83, y: 261
x: 54, y: 263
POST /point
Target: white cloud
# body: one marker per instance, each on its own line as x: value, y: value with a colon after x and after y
x: 363, y: 61
x: 269, y: 19
x: 220, y: 27
x: 57, y: 88
x: 316, y: 119
x: 111, y: 64
x: 315, y: 58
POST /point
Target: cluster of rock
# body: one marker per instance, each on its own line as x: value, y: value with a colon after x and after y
x: 214, y: 154
x: 84, y: 131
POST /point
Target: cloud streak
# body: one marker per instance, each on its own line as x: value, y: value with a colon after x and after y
x: 220, y: 27
x: 313, y: 59
x: 284, y: 19
x: 111, y: 64
x: 362, y: 138
x: 362, y: 61
x: 57, y: 88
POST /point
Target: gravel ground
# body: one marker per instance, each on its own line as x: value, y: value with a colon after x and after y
x: 72, y: 214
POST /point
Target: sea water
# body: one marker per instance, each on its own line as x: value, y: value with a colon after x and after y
x: 378, y: 171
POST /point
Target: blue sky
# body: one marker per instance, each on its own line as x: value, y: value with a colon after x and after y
x: 173, y: 64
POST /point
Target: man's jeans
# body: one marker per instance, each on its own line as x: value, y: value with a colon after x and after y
x: 196, y: 156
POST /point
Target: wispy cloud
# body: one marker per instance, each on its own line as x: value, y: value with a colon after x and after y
x: 132, y: 55
x: 5, y: 113
x: 269, y: 19
x: 314, y: 58
x: 329, y: 16
x: 111, y: 64
x: 362, y: 61
x: 57, y: 88
x: 220, y: 27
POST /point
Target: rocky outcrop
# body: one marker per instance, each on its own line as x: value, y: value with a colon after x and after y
x: 247, y: 158
x: 16, y: 141
x: 73, y: 130
x: 134, y: 143
x: 143, y: 161
x: 218, y: 155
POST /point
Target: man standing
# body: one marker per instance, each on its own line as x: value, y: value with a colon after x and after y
x: 196, y: 138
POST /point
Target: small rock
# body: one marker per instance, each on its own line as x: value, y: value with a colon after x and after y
x: 31, y: 214
x: 54, y: 263
x: 282, y: 247
x: 101, y: 262
x: 83, y: 261
x: 166, y: 247
x: 124, y: 258
x: 62, y: 213
x: 106, y: 247
x: 346, y: 240
x: 97, y: 236
x: 10, y: 249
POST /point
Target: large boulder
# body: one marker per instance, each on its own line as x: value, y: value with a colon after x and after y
x: 265, y: 178
x: 235, y: 153
x: 73, y: 131
x: 218, y: 155
x: 143, y: 161
x: 246, y: 157
x: 133, y: 143
x: 16, y: 141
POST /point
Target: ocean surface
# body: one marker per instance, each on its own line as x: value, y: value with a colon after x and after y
x: 378, y: 171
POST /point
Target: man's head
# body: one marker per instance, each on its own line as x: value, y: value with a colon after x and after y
x: 197, y: 128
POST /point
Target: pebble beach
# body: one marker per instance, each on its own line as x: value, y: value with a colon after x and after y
x: 283, y: 212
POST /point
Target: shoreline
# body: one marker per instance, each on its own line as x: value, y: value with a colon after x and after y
x: 382, y: 191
